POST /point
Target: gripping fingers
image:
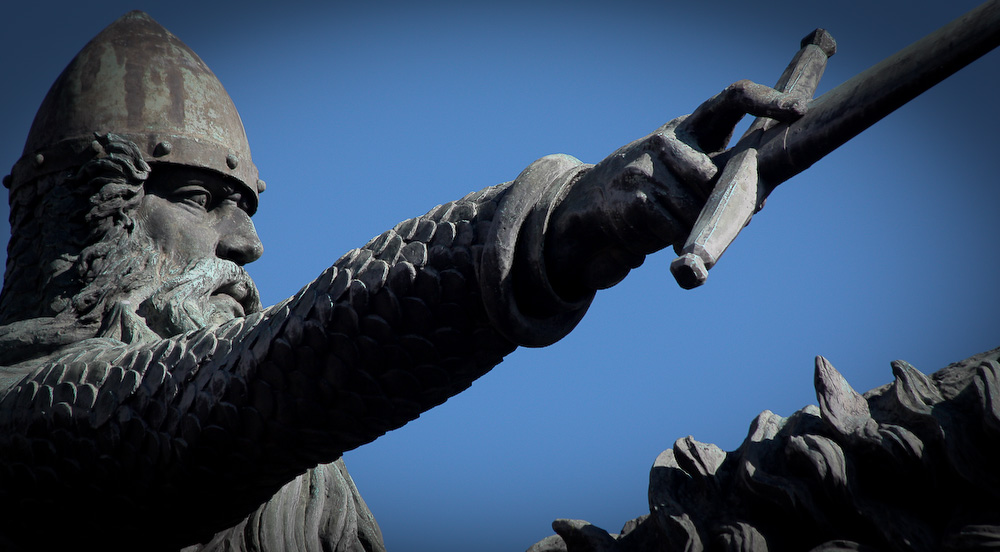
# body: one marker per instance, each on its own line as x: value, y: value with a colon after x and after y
x: 652, y: 208
x: 692, y: 167
x: 712, y: 123
x: 678, y: 179
x: 763, y: 101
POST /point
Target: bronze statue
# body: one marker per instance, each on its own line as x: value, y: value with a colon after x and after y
x: 145, y: 382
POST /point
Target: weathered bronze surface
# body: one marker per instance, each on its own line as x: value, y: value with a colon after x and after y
x: 138, y: 80
x: 832, y: 119
x: 144, y: 382
x: 143, y: 377
x: 738, y: 194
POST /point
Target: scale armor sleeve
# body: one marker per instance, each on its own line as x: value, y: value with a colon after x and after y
x: 199, y: 430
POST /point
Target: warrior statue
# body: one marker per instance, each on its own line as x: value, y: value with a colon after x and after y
x: 148, y: 400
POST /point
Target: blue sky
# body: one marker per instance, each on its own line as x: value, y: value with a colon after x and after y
x: 362, y: 115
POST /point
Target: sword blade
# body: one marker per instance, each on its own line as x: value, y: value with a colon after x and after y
x: 850, y: 108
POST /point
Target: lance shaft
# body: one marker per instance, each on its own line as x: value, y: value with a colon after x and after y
x: 847, y: 110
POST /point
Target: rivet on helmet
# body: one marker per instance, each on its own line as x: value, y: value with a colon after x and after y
x: 150, y: 88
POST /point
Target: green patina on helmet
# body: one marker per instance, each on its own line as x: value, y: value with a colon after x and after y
x: 138, y: 80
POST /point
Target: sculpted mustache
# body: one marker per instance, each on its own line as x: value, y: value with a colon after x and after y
x: 183, y: 301
x: 208, y: 277
x: 240, y: 286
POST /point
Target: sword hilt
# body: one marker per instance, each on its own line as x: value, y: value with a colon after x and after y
x: 738, y: 194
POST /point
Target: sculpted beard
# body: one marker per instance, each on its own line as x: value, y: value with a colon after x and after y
x: 124, y: 267
x: 202, y: 293
x: 117, y: 283
x: 187, y: 297
x: 169, y: 298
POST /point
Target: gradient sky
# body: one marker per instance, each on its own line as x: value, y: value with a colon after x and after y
x: 362, y: 115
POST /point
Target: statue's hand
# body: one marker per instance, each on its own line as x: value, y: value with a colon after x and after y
x: 647, y: 195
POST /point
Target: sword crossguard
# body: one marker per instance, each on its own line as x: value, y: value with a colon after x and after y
x: 738, y: 193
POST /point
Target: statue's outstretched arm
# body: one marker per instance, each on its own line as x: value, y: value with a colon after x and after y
x: 209, y: 424
x: 213, y: 422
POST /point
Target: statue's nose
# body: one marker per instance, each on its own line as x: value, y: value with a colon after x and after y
x: 238, y: 240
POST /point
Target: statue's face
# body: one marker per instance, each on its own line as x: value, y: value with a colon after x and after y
x: 193, y: 213
x: 200, y: 228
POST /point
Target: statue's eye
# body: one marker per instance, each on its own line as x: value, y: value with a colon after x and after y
x: 237, y: 199
x: 193, y: 195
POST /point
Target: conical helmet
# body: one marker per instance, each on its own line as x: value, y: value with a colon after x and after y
x: 138, y: 80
